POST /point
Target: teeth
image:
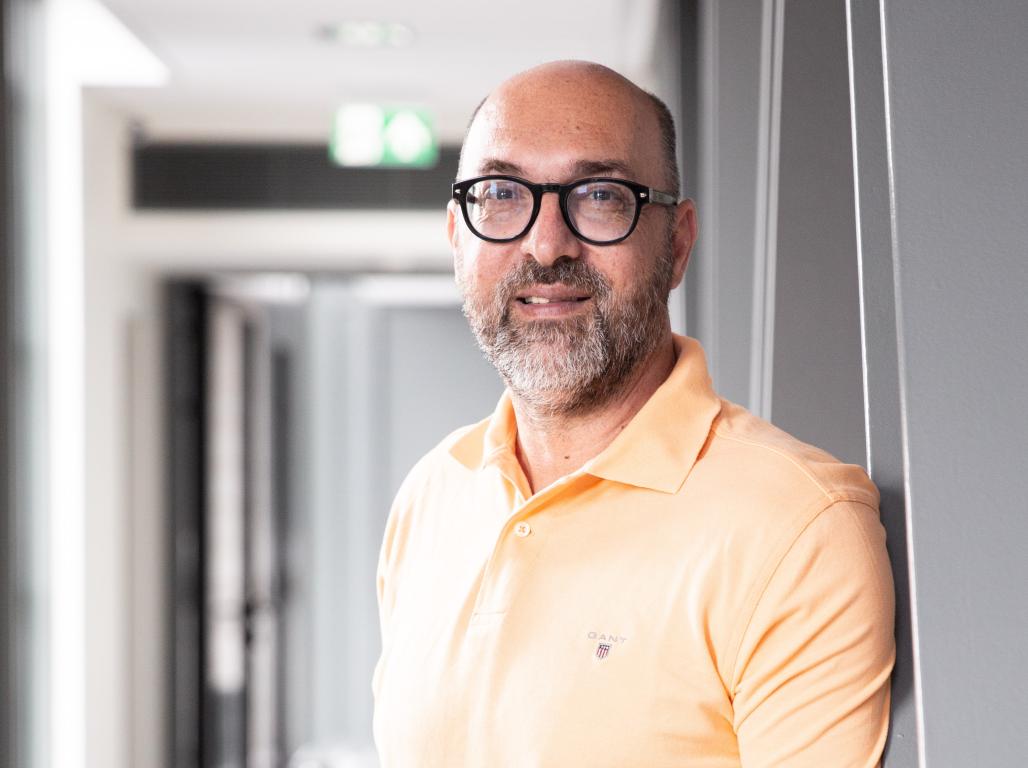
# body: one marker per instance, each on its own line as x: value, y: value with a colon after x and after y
x: 542, y: 300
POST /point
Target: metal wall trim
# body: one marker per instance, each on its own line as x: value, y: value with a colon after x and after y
x: 766, y: 225
x: 8, y: 617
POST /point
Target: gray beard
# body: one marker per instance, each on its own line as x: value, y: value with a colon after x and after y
x: 573, y: 366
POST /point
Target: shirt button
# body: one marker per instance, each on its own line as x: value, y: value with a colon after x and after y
x: 522, y: 529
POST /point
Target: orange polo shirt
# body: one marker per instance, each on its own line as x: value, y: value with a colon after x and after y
x: 707, y: 591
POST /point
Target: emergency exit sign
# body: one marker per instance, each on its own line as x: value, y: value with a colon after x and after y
x: 372, y: 135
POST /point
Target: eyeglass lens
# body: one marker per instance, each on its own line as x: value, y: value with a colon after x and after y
x: 502, y: 209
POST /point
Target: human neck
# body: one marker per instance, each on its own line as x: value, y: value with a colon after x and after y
x: 550, y: 445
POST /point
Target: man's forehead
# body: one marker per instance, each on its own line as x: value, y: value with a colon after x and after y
x: 569, y: 140
x: 563, y: 108
x: 566, y: 169
x: 565, y: 120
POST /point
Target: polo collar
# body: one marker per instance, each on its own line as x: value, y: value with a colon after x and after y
x: 659, y: 446
x: 479, y: 446
x: 656, y: 450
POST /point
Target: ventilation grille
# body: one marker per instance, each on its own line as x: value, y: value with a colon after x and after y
x: 289, y: 176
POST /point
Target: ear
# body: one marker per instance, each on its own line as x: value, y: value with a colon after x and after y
x: 451, y: 223
x: 686, y: 232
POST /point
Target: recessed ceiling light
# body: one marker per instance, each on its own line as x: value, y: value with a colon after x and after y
x: 368, y: 34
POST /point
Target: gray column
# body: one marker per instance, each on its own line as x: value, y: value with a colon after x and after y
x: 816, y: 384
x: 721, y: 145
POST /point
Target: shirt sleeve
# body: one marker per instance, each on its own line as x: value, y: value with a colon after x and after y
x: 384, y: 586
x: 386, y: 561
x: 811, y: 679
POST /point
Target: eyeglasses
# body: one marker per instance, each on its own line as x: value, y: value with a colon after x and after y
x: 600, y: 211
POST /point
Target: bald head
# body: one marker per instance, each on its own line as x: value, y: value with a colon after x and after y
x: 562, y: 98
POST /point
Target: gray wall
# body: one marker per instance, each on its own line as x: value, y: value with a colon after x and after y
x: 942, y: 170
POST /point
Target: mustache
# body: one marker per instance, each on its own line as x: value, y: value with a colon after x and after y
x: 573, y: 273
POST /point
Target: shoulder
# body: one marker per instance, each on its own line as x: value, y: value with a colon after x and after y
x: 434, y: 477
x: 439, y: 474
x: 763, y: 489
x: 765, y: 460
x: 803, y: 529
x: 446, y: 459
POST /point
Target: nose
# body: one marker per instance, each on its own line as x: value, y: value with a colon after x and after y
x: 550, y: 239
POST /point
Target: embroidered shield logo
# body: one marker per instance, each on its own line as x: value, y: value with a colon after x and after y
x: 602, y: 650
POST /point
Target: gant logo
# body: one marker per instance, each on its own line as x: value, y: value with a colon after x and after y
x: 605, y: 641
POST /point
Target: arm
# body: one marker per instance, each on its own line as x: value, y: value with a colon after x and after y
x: 811, y: 678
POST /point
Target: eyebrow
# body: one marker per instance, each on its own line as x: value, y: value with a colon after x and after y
x: 601, y: 168
x: 495, y: 165
x: 578, y: 170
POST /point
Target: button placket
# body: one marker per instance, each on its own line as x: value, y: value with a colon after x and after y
x: 516, y: 552
x: 507, y: 568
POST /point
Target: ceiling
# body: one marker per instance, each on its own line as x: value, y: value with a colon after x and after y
x: 258, y: 69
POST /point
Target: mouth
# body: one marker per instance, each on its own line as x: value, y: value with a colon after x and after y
x: 551, y: 303
x: 545, y: 300
x: 555, y: 293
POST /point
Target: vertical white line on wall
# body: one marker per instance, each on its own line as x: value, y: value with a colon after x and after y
x: 765, y: 229
x: 901, y: 379
x: 858, y: 214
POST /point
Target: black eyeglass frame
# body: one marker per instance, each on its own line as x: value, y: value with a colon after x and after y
x: 643, y: 195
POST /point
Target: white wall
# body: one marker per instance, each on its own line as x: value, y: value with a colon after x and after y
x: 124, y: 545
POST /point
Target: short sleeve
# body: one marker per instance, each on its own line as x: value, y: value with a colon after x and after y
x: 388, y: 555
x: 811, y: 680
x: 385, y: 576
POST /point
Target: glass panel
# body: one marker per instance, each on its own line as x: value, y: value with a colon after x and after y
x: 23, y: 418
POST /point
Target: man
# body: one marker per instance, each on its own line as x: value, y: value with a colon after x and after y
x: 616, y: 568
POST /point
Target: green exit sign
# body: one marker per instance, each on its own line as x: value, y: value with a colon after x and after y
x: 371, y: 135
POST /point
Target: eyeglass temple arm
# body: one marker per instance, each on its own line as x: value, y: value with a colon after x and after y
x: 656, y: 196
